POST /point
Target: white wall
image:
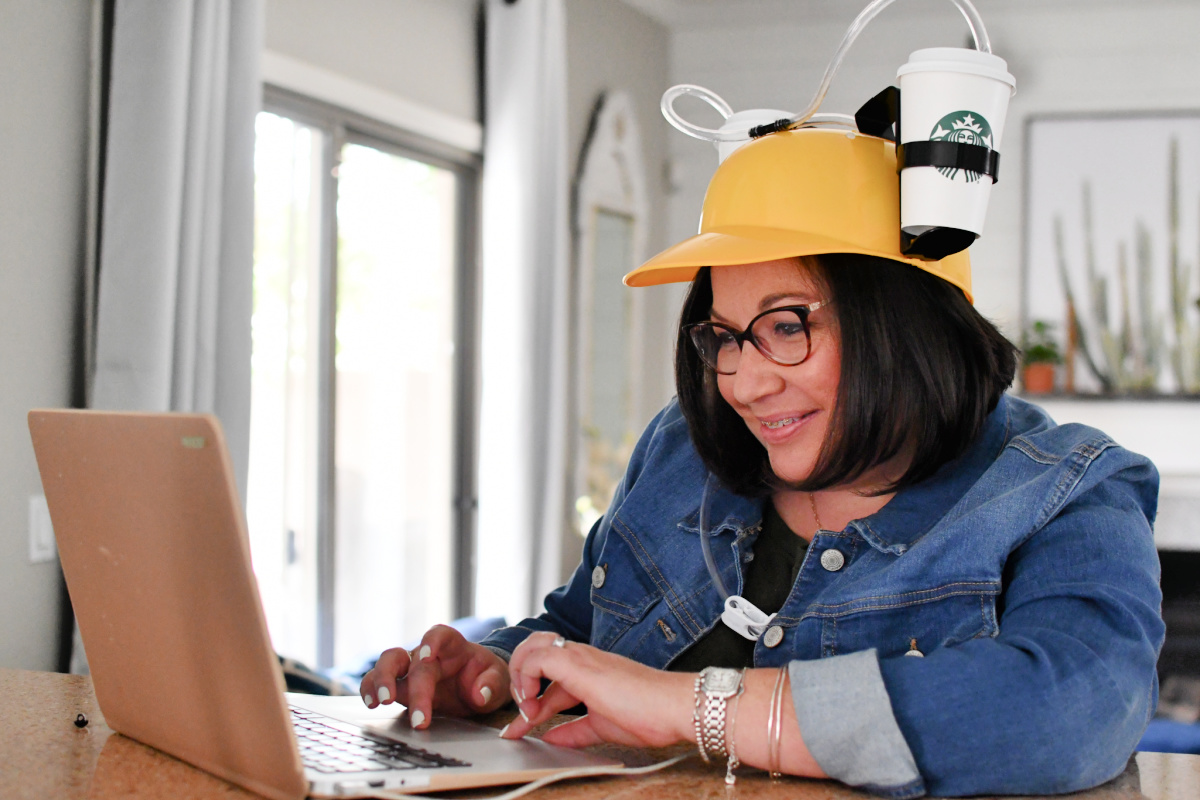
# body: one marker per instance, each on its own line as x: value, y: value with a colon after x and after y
x: 44, y: 71
x: 419, y: 50
x: 610, y: 47
x: 1100, y: 55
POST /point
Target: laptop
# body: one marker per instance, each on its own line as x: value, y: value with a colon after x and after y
x: 156, y: 557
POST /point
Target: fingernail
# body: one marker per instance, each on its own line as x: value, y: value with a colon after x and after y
x: 504, y: 730
x: 417, y: 718
x: 524, y: 716
x: 486, y: 694
x: 368, y: 700
x: 423, y: 653
x: 385, y: 694
x: 516, y: 693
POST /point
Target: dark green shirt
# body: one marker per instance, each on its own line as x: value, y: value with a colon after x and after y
x: 768, y: 580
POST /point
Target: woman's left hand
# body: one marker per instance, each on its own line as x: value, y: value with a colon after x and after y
x: 628, y: 703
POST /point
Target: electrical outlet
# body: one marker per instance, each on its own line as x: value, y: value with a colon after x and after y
x: 41, y: 532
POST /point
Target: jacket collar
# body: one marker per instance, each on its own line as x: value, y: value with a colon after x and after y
x: 726, y: 512
x: 915, y: 510
x: 910, y: 514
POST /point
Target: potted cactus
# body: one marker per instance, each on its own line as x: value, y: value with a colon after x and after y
x: 1039, y: 357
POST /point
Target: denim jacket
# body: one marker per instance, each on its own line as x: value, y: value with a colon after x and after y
x: 1024, y: 573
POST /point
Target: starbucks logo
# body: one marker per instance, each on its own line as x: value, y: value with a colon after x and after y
x: 966, y: 127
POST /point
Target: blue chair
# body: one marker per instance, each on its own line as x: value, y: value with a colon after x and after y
x: 1169, y: 736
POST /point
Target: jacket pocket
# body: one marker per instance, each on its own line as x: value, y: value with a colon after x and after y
x: 622, y: 592
x: 916, y: 622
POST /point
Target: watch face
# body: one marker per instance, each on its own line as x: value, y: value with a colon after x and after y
x: 720, y: 680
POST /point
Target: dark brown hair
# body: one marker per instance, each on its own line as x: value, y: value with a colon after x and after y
x: 921, y: 369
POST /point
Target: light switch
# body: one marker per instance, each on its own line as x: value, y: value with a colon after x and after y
x: 41, y: 532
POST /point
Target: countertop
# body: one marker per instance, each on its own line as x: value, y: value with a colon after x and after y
x: 44, y: 755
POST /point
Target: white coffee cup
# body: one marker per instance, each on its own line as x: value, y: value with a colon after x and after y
x: 954, y: 94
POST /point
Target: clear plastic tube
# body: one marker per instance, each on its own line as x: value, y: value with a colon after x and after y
x: 974, y: 23
x: 709, y: 562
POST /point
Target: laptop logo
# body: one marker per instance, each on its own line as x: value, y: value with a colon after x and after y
x: 193, y: 442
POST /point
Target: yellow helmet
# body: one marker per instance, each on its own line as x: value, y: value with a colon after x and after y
x: 801, y: 192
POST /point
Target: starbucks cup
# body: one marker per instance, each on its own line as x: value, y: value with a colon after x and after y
x: 958, y: 95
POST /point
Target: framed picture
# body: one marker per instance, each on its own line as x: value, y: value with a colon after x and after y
x: 1112, y: 252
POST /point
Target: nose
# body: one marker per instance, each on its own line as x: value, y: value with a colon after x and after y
x: 756, y: 377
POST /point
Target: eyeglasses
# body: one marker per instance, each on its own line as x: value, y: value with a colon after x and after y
x: 781, y: 334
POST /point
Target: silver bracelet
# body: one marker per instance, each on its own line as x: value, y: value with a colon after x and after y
x: 696, y: 720
x: 715, y: 686
x: 775, y: 724
x: 733, y: 763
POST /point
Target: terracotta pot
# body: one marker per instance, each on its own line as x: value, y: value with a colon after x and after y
x: 1038, y: 378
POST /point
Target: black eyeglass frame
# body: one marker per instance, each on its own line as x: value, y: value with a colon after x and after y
x: 741, y: 337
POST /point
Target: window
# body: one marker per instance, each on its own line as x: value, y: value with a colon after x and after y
x: 361, y: 496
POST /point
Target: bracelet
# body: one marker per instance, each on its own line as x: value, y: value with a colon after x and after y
x: 697, y: 721
x: 775, y: 724
x: 733, y: 763
x: 715, y: 686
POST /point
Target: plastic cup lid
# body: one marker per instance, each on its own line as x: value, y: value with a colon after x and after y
x: 958, y: 59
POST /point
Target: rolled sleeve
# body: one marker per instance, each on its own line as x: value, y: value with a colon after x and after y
x: 847, y: 722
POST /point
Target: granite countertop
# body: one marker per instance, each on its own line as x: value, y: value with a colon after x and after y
x: 44, y: 755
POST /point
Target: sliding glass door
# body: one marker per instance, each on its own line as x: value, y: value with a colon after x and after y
x: 360, y: 498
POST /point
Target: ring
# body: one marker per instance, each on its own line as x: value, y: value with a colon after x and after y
x: 559, y: 641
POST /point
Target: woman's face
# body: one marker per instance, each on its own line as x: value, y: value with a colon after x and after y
x: 788, y: 409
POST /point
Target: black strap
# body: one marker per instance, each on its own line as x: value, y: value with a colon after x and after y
x: 880, y: 116
x: 952, y: 155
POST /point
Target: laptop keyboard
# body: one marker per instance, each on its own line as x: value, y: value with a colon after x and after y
x: 330, y: 747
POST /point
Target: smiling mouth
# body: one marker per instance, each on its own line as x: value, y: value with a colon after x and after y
x: 782, y: 423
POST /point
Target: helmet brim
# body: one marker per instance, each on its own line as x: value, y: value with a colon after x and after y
x: 732, y: 246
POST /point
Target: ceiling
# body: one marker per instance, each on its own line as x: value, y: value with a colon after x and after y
x: 683, y: 15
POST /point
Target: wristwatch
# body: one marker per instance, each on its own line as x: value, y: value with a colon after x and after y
x: 714, y: 688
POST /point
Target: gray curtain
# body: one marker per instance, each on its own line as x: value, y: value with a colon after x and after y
x: 174, y: 278
x: 526, y: 289
x: 174, y: 291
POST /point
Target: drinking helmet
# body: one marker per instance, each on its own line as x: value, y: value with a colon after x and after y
x: 801, y: 192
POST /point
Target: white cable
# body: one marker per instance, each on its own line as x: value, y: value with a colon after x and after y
x: 974, y: 22
x: 582, y: 772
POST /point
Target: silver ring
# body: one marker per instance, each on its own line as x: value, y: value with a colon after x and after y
x: 559, y: 641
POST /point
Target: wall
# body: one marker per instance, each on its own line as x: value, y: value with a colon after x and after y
x: 418, y: 50
x: 610, y: 47
x: 1066, y: 55
x: 44, y: 69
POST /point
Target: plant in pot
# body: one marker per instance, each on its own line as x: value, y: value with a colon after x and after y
x: 1039, y: 357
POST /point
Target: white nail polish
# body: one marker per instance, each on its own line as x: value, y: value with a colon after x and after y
x: 524, y: 716
x: 504, y: 730
x: 417, y: 718
x: 368, y: 700
x: 486, y: 694
x: 423, y: 653
x: 384, y: 694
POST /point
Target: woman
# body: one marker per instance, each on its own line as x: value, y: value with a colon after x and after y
x: 965, y: 594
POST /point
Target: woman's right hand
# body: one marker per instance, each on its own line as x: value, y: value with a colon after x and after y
x: 445, y: 673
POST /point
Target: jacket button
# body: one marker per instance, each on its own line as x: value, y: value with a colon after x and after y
x: 773, y: 636
x: 833, y: 560
x: 598, y: 575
